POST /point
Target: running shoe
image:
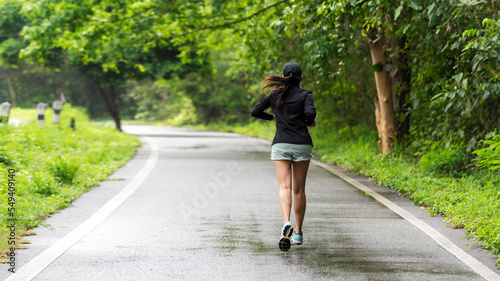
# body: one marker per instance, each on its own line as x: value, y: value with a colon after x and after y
x: 286, y: 232
x: 297, y: 239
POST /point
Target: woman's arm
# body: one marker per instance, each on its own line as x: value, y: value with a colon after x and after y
x: 258, y: 110
x: 309, y: 109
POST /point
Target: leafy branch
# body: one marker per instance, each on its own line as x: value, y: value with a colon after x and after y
x: 140, y: 13
x: 226, y: 24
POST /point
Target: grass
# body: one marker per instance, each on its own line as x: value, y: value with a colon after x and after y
x: 469, y: 200
x: 54, y: 165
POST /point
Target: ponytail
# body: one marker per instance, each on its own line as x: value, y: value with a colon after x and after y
x: 280, y: 84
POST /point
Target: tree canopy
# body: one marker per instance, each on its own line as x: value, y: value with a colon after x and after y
x: 416, y: 70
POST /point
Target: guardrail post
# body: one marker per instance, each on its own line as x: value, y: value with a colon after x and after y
x: 40, y: 109
x: 4, y: 113
x: 57, y: 106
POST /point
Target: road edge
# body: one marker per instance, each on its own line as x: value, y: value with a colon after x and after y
x: 41, y: 261
x: 435, y: 235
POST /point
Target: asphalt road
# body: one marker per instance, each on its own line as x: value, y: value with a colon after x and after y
x: 208, y: 210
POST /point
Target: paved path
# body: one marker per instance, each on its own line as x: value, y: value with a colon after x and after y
x: 207, y: 209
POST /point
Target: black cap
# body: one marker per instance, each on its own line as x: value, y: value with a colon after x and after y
x: 294, y: 68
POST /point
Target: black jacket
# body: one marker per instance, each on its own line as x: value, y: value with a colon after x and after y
x: 292, y: 119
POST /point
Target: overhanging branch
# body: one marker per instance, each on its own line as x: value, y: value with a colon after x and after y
x: 226, y: 24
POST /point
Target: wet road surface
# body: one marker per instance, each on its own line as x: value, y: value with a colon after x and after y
x: 209, y: 211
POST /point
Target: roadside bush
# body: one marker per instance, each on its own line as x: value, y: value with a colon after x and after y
x: 447, y: 160
x: 44, y: 184
x: 490, y: 155
x: 64, y: 167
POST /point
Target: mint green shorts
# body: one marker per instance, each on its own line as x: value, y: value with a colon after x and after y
x: 290, y: 151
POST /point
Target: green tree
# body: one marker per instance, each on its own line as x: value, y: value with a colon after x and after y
x: 11, y: 23
x: 426, y: 51
x: 113, y: 41
x: 110, y: 42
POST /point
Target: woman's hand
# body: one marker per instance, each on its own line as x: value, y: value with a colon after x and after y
x: 313, y: 124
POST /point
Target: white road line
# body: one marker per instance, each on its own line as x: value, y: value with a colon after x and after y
x: 40, y: 262
x: 469, y: 260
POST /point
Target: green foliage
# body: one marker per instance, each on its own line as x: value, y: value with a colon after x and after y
x: 43, y: 183
x: 9, y: 52
x: 11, y: 23
x: 64, y: 167
x: 454, y: 91
x: 490, y: 155
x: 108, y: 43
x: 447, y: 160
x: 54, y: 164
x: 128, y: 40
x: 448, y: 50
x: 5, y: 159
x: 158, y: 101
x: 209, y: 92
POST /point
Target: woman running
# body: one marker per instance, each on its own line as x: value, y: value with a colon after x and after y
x: 294, y: 111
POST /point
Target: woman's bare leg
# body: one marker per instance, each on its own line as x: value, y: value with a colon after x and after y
x: 284, y: 174
x: 299, y: 195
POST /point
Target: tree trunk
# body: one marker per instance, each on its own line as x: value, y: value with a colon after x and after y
x: 115, y: 113
x: 401, y: 81
x: 57, y: 93
x: 111, y: 105
x: 378, y: 121
x: 11, y: 90
x: 383, y: 82
x: 109, y: 100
